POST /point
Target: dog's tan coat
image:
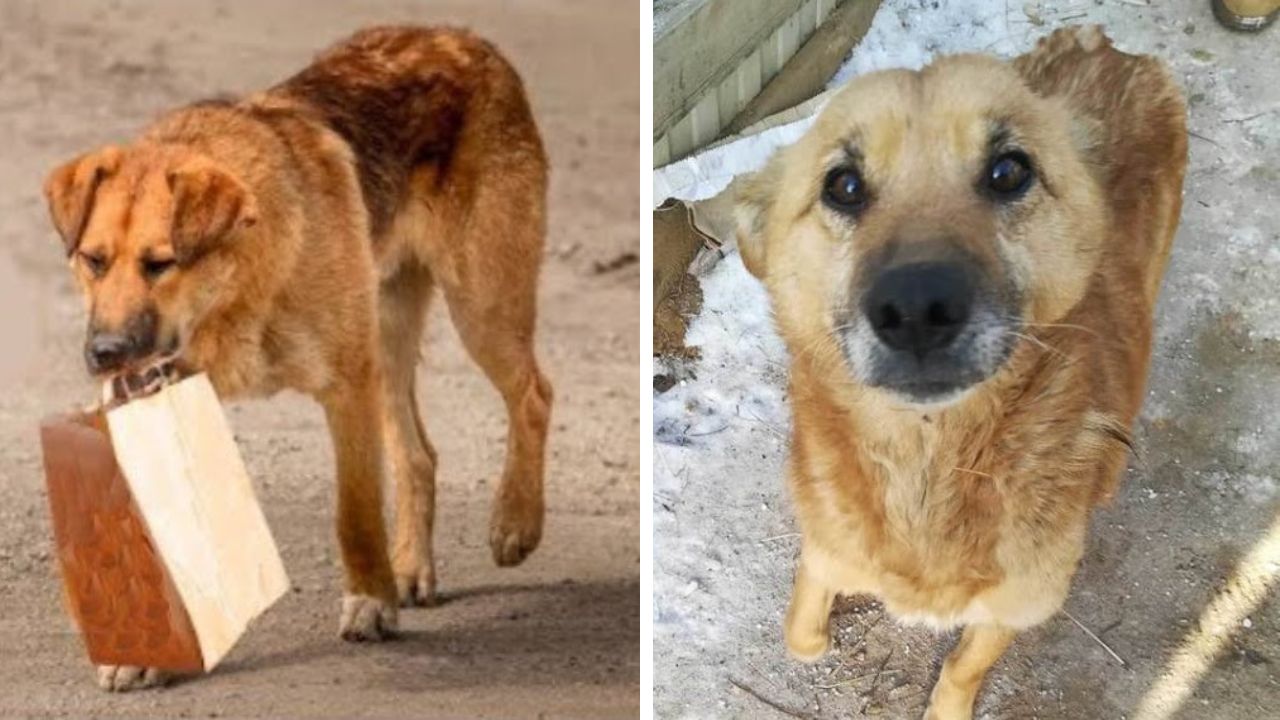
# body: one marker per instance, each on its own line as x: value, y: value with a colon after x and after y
x: 973, y: 513
x: 294, y: 238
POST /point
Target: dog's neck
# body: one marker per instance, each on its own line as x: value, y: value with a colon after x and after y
x: 907, y: 445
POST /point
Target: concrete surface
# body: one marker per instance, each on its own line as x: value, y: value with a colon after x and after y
x: 556, y: 637
x: 1201, y: 492
x: 669, y: 12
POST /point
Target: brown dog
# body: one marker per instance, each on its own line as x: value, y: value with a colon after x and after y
x: 964, y: 262
x: 292, y: 239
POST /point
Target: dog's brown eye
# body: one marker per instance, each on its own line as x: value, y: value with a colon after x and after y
x: 154, y: 268
x: 96, y: 263
x: 844, y: 190
x: 1009, y: 175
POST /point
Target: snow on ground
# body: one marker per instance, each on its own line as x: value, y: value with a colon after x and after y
x: 1203, y: 490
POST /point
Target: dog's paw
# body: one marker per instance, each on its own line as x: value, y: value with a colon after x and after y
x: 418, y: 589
x: 946, y: 703
x: 808, y: 647
x: 514, y: 532
x: 123, y: 678
x: 934, y: 712
x: 807, y: 639
x: 367, y: 619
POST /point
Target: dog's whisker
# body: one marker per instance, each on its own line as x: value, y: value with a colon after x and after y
x: 1040, y: 343
x: 1067, y: 326
x: 979, y: 473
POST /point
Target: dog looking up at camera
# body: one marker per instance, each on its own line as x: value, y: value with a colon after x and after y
x: 963, y: 262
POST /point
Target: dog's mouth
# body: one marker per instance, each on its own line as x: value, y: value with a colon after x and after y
x: 929, y: 393
x: 145, y: 379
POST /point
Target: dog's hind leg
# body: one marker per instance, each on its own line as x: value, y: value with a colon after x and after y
x: 494, y: 314
x: 979, y: 648
x: 806, y: 628
x: 402, y: 307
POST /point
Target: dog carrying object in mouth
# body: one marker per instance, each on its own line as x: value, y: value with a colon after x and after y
x: 964, y: 262
x: 165, y: 554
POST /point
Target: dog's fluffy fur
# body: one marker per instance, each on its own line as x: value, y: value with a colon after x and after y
x: 291, y: 239
x: 971, y: 511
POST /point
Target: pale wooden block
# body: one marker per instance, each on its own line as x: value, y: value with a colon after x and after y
x: 190, y: 485
x: 680, y: 138
x: 706, y: 120
x: 728, y: 101
x: 661, y: 152
x: 808, y: 19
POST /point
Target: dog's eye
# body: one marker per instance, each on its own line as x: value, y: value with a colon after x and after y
x: 96, y: 263
x: 844, y: 190
x: 154, y: 268
x: 1009, y: 175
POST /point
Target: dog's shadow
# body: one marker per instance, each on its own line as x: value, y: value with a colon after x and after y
x: 566, y: 632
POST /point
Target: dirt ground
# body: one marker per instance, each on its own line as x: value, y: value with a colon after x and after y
x: 556, y: 637
x: 1200, y: 494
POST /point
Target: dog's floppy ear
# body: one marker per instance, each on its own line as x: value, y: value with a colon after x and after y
x: 208, y: 204
x: 70, y: 191
x: 754, y: 195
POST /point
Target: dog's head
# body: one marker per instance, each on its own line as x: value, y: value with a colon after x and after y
x: 923, y: 221
x: 141, y: 227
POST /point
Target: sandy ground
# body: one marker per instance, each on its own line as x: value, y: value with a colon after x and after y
x: 557, y: 637
x: 1200, y: 494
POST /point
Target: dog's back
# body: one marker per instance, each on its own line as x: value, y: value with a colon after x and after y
x: 408, y: 99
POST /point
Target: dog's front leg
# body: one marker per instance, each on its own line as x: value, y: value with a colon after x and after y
x: 962, y: 673
x: 806, y: 629
x: 355, y: 422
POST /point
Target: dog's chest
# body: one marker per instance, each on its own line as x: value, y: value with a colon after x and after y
x: 255, y: 359
x: 939, y: 542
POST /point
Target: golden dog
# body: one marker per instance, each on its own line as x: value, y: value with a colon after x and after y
x: 292, y: 238
x: 963, y: 262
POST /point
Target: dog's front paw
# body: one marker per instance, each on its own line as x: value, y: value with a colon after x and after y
x: 123, y: 678
x: 807, y: 644
x: 417, y: 589
x: 947, y: 703
x: 367, y: 619
x: 514, y: 530
x: 934, y: 712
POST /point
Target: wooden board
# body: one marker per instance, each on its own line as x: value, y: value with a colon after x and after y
x: 190, y: 486
x: 165, y: 553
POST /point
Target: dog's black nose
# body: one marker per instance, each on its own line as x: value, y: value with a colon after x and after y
x: 106, y: 352
x: 920, y: 307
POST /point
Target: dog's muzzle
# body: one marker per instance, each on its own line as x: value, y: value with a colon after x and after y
x: 108, y: 351
x: 926, y: 331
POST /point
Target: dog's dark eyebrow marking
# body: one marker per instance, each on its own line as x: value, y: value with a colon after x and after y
x: 852, y: 155
x: 1000, y: 136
